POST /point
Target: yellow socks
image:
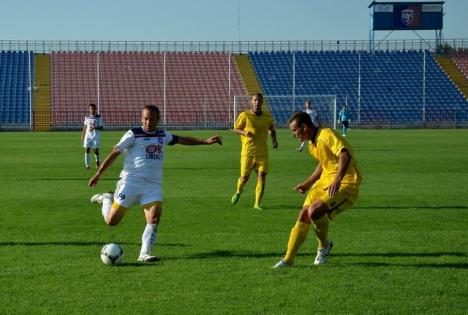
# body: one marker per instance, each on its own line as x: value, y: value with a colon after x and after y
x: 321, y: 231
x: 240, y: 185
x: 259, y: 189
x: 296, y: 239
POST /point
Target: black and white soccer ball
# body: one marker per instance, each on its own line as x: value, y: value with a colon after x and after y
x: 112, y: 254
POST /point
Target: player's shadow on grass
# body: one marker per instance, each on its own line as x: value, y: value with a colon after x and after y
x: 90, y: 243
x: 415, y: 265
x: 217, y: 254
x: 229, y: 253
x: 410, y: 207
x: 407, y: 255
x: 57, y: 179
x: 400, y: 254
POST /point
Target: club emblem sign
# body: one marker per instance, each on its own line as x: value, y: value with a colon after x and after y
x: 407, y: 17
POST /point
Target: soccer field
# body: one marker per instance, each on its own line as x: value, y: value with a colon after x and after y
x: 403, y: 247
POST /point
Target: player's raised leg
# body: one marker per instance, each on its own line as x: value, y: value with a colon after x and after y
x: 111, y: 211
x: 106, y: 199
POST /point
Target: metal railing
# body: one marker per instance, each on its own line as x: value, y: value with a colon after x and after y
x: 200, y: 120
x: 47, y: 46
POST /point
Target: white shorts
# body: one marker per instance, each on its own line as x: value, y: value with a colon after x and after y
x: 91, y: 142
x: 130, y: 192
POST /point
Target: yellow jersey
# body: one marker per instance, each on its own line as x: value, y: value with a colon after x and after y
x: 326, y: 149
x: 258, y: 125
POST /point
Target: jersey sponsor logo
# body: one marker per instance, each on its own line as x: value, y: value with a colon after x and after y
x: 154, y: 152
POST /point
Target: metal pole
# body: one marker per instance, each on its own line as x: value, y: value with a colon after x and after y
x: 229, y: 87
x: 294, y: 81
x: 98, y: 85
x: 30, y: 93
x: 424, y: 88
x: 359, y: 89
x: 164, y: 88
x: 204, y: 112
x: 234, y: 110
x: 334, y: 112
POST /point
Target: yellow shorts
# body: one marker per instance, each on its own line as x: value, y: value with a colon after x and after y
x: 249, y: 163
x: 343, y: 199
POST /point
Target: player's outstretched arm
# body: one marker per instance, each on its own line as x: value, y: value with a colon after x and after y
x: 107, y: 162
x: 198, y: 141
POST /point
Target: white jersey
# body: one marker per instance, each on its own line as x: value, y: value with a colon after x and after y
x: 144, y: 154
x: 313, y: 115
x: 91, y: 122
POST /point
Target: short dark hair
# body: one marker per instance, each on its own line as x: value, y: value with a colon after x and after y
x: 308, y: 101
x: 92, y: 105
x: 259, y: 95
x: 302, y: 118
x: 152, y: 108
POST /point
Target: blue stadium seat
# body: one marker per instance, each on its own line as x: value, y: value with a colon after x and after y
x: 14, y: 93
x: 391, y: 82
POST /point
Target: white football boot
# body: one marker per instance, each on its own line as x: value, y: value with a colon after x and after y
x: 281, y: 264
x: 97, y: 198
x: 322, y: 254
x: 148, y: 258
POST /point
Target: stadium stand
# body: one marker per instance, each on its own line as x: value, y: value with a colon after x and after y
x: 15, y: 76
x: 73, y: 83
x: 41, y: 96
x: 391, y: 84
x: 460, y: 57
x: 197, y: 86
x: 193, y: 89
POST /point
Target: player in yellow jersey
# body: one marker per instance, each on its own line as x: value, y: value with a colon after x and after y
x: 332, y: 187
x: 253, y: 126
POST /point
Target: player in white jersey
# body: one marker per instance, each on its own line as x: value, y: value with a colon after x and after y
x: 313, y: 116
x: 141, y: 177
x: 91, y: 134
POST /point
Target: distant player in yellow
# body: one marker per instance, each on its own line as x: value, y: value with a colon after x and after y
x: 253, y: 126
x: 332, y: 187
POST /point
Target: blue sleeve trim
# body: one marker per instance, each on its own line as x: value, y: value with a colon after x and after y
x: 175, y: 139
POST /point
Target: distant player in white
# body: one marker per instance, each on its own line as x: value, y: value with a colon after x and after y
x: 91, y: 134
x: 141, y: 178
x: 313, y: 116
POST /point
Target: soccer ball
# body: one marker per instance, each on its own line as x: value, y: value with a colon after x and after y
x: 111, y: 254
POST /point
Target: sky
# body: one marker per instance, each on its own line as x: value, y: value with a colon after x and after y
x: 205, y: 20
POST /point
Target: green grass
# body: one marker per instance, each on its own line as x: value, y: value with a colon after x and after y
x: 401, y: 249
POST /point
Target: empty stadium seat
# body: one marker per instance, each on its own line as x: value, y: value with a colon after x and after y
x: 195, y: 82
x: 391, y: 83
x: 16, y: 73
